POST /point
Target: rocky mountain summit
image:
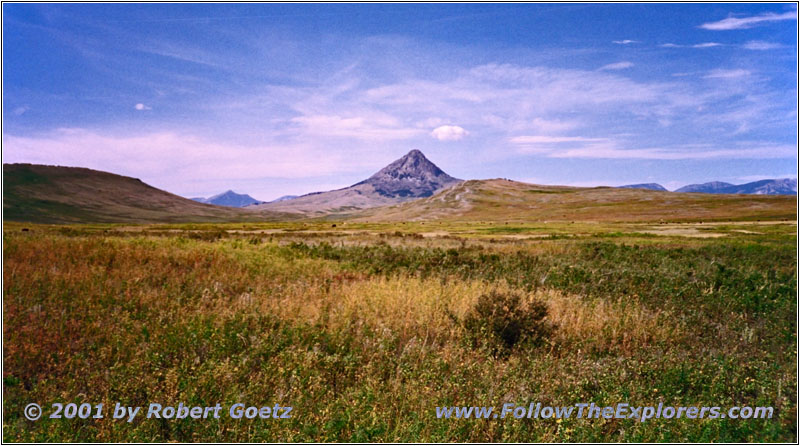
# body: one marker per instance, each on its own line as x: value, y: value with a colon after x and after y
x: 411, y: 177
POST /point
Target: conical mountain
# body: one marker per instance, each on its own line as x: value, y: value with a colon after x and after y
x: 411, y: 177
x: 229, y: 198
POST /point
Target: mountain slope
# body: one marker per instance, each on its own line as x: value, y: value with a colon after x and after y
x: 504, y: 200
x: 283, y: 198
x: 784, y: 186
x: 55, y: 194
x: 647, y: 186
x: 229, y: 198
x: 712, y: 187
x: 411, y: 177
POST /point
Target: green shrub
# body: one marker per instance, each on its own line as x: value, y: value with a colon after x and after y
x: 501, y: 321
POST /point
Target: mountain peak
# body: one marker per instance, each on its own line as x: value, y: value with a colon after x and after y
x: 229, y: 198
x: 413, y: 175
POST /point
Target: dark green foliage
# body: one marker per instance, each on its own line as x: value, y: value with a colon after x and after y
x: 500, y: 321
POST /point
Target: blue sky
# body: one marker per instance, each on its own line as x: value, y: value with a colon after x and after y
x: 274, y: 99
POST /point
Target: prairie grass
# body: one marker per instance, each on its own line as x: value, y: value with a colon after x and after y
x: 364, y: 338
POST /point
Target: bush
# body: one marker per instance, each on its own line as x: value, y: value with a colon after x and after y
x: 501, y: 321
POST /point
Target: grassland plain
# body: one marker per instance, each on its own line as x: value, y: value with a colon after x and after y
x: 358, y: 327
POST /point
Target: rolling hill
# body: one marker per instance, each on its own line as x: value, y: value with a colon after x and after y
x: 505, y: 200
x: 55, y: 194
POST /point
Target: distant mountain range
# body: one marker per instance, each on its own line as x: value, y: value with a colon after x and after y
x: 410, y: 188
x: 229, y: 198
x: 783, y: 186
x: 411, y: 177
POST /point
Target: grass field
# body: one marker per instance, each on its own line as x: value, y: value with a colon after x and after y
x: 360, y: 327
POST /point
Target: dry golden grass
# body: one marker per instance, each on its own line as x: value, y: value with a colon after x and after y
x: 426, y: 311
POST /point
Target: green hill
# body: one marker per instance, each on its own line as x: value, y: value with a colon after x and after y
x: 55, y: 194
x: 504, y: 200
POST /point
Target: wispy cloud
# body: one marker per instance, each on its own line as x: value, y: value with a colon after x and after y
x: 625, y: 42
x: 621, y: 148
x: 168, y: 159
x: 748, y: 22
x: 449, y: 133
x: 727, y: 74
x: 373, y: 127
x: 550, y: 126
x: 543, y: 139
x: 617, y: 66
x: 696, y: 45
x: 759, y: 45
x: 141, y: 107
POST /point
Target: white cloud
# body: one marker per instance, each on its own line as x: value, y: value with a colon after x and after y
x: 761, y: 45
x: 727, y: 74
x: 747, y: 22
x: 19, y: 111
x: 617, y: 66
x: 141, y: 106
x: 449, y: 133
x: 625, y: 42
x: 697, y: 45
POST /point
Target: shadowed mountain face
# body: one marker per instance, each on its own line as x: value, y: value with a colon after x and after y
x: 411, y: 177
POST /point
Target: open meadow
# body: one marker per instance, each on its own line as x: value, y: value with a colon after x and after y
x: 364, y: 328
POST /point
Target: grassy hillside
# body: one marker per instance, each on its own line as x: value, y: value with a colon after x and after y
x: 54, y: 194
x: 504, y: 200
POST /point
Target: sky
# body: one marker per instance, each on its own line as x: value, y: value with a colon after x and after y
x: 277, y: 99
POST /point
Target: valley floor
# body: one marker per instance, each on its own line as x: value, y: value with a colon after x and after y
x: 365, y: 328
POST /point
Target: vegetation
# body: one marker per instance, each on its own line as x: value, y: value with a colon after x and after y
x: 501, y: 321
x: 365, y: 328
